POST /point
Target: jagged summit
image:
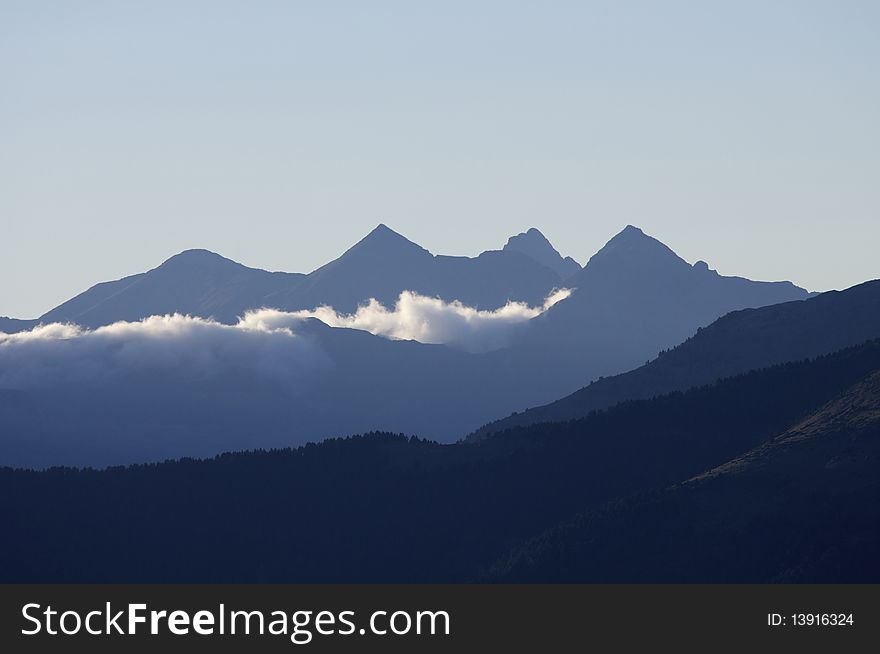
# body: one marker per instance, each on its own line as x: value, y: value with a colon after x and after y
x: 383, y: 241
x: 535, y: 245
x: 384, y: 263
x: 532, y: 236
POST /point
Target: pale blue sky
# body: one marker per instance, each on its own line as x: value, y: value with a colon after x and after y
x: 278, y: 133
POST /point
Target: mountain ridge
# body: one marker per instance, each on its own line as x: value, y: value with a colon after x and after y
x: 382, y: 264
x: 526, y: 269
x: 196, y: 282
x: 534, y: 244
x: 737, y: 342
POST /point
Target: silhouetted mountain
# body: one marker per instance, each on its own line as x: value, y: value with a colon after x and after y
x: 738, y: 342
x: 387, y: 508
x: 804, y: 506
x: 535, y: 245
x: 371, y: 383
x: 366, y: 382
x: 384, y: 264
x: 636, y: 297
x: 12, y: 325
x: 194, y: 282
x: 381, y: 266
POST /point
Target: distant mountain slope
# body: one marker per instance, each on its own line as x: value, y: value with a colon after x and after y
x: 371, y: 383
x: 352, y: 381
x: 381, y: 266
x: 195, y: 282
x: 740, y: 341
x: 804, y: 506
x: 384, y: 263
x: 636, y: 297
x: 534, y: 244
x: 385, y: 508
x: 12, y: 325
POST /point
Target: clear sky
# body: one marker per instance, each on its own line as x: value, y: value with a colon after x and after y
x: 278, y: 133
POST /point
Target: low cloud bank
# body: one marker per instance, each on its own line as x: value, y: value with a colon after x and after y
x: 186, y: 347
x: 264, y: 344
x: 432, y: 320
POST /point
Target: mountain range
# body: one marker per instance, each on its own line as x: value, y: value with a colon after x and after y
x: 381, y: 265
x: 634, y: 298
x: 710, y: 428
x: 632, y: 271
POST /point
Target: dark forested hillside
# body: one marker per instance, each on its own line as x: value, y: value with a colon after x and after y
x: 803, y: 506
x: 384, y: 507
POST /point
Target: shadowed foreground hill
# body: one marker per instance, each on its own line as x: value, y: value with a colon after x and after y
x: 802, y: 506
x: 387, y: 508
x: 738, y: 342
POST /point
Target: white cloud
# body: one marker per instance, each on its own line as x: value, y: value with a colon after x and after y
x: 263, y: 344
x: 430, y: 320
x: 184, y: 346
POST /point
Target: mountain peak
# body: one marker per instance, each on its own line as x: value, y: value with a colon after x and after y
x: 633, y: 247
x: 197, y: 258
x: 631, y: 233
x: 535, y: 245
x: 383, y: 241
x: 382, y: 231
x: 196, y: 253
x: 531, y: 237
